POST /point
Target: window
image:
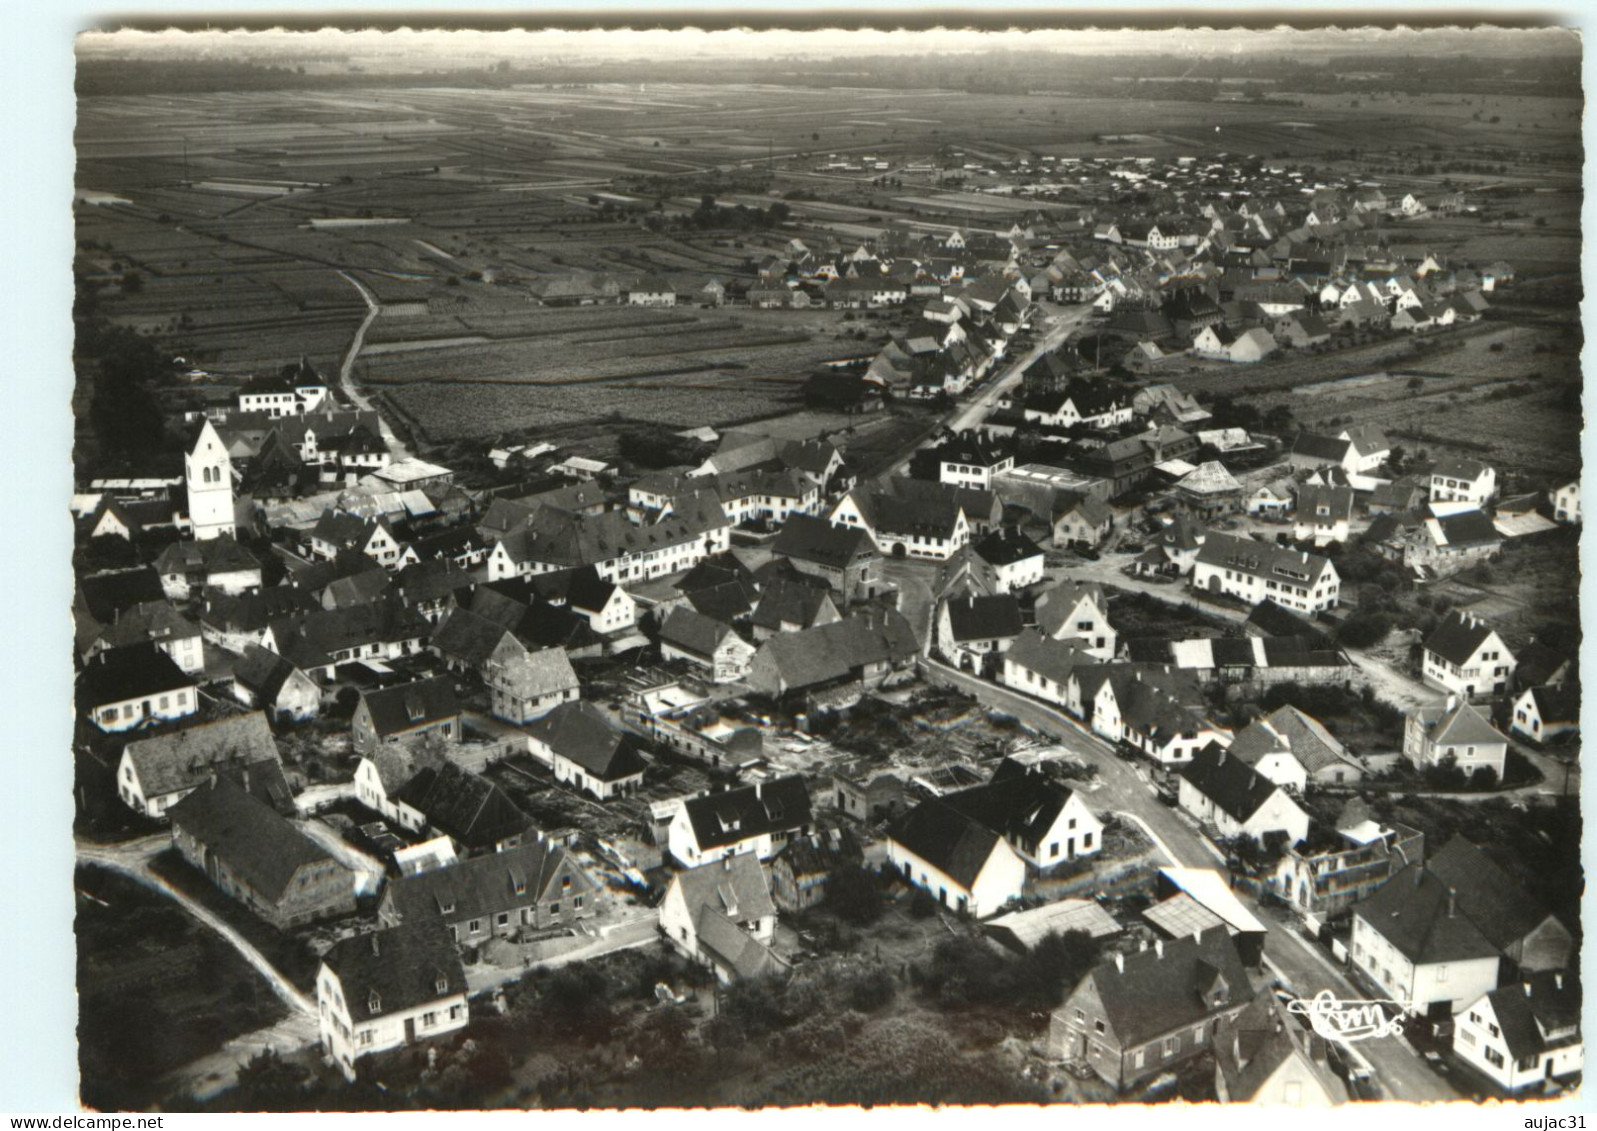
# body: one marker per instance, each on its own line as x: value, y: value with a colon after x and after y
x: 1169, y: 1047
x: 1080, y: 1016
x: 576, y: 904
x: 1086, y: 840
x: 428, y: 1020
x: 1098, y: 1027
x: 442, y: 984
x: 1441, y: 973
x: 1137, y: 1058
x: 502, y: 919
x: 1492, y: 1056
x: 554, y: 908
x: 364, y: 1036
x: 474, y: 926
x: 456, y: 1012
x: 1053, y: 849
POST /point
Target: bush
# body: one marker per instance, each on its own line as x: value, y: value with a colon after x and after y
x: 922, y: 905
x: 855, y: 895
x: 1483, y: 778
x: 1364, y: 630
x: 872, y: 990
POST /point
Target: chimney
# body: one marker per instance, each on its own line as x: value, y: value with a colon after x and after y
x: 1558, y: 980
x: 1120, y: 963
x: 377, y: 946
x: 1452, y: 702
x: 1158, y: 948
x: 1419, y: 876
x: 1527, y: 988
x: 1452, y: 902
x: 726, y: 863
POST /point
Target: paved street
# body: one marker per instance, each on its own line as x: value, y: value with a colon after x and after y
x: 1402, y: 1074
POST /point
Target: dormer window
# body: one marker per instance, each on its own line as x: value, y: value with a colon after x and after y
x: 442, y: 984
x: 374, y: 1002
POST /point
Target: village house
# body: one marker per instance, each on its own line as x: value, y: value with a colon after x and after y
x: 1264, y: 1055
x: 389, y: 989
x: 406, y: 712
x: 1455, y: 480
x: 1327, y: 875
x: 905, y: 519
x: 1079, y: 612
x: 154, y: 773
x: 265, y: 680
x: 474, y: 813
x: 1455, y: 731
x: 587, y: 751
x: 803, y: 869
x: 1545, y: 713
x: 123, y: 688
x: 721, y: 916
x: 1415, y: 944
x: 1045, y: 821
x: 1526, y: 1034
x: 973, y: 631
x: 1227, y: 794
x: 1436, y: 546
x: 253, y: 855
x: 1466, y: 657
x: 753, y: 819
x: 1566, y: 502
x: 158, y: 623
x: 1080, y: 520
x: 218, y: 563
x: 971, y: 459
x: 792, y: 606
x: 1322, y: 514
x: 857, y: 652
x: 1136, y: 1015
x: 969, y: 867
x: 621, y: 552
x: 708, y: 645
x: 1017, y: 561
x: 845, y: 558
x: 535, y: 886
x: 1254, y: 571
x: 1295, y: 751
x: 526, y: 684
x: 1041, y: 667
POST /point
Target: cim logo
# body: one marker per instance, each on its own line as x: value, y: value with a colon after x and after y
x: 1348, y: 1021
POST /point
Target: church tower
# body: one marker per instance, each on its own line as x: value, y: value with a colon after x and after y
x: 209, y: 471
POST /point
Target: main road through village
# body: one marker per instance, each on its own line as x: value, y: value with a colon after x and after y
x: 1123, y: 790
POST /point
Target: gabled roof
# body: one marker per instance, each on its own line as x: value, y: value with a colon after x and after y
x: 831, y: 651
x: 1007, y: 546
x: 720, y: 819
x: 1176, y: 985
x: 1251, y: 1047
x: 984, y: 618
x: 1291, y: 731
x: 464, y: 806
x: 806, y: 538
x: 1458, y: 636
x: 1320, y: 447
x: 1530, y: 1008
x: 249, y: 836
x: 1263, y: 559
x: 411, y: 705
x: 1494, y: 901
x: 468, y: 636
x: 1234, y: 786
x: 1017, y: 803
x: 694, y: 632
x: 1051, y: 659
x: 533, y: 674
x: 214, y: 555
x: 263, y: 672
x: 789, y: 602
x: 1055, y: 606
x: 133, y: 672
x: 1412, y: 911
x: 953, y: 842
x: 582, y: 733
x: 481, y: 886
x: 1457, y: 467
x: 1459, y: 724
x: 182, y: 759
x: 149, y: 622
x: 388, y: 972
x: 1560, y: 704
x: 103, y: 595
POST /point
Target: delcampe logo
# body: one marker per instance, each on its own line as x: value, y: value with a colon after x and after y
x: 1348, y: 1021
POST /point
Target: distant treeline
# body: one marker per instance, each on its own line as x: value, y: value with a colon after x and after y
x: 1016, y: 72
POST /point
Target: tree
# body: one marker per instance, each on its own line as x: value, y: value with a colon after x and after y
x: 855, y: 895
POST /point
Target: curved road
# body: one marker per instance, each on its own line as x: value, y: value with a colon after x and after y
x: 1403, y: 1075
x: 346, y: 369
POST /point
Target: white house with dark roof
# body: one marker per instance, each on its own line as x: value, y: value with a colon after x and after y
x: 1256, y: 571
x: 1465, y: 656
x: 1457, y: 480
x: 956, y: 859
x: 1228, y: 794
x: 1294, y: 750
x: 1017, y: 561
x: 387, y: 990
x: 757, y: 819
x: 721, y: 915
x: 1321, y: 514
x: 155, y: 773
x: 1544, y: 713
x: 524, y: 685
x: 587, y: 751
x: 1526, y: 1034
x: 121, y: 689
x: 1041, y: 667
x: 1453, y: 729
x: 1266, y: 1056
x: 970, y: 629
x: 407, y: 711
x: 1079, y: 612
x: 1566, y: 502
x: 710, y: 645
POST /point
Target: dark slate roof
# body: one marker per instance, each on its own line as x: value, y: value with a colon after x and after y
x: 464, y: 806
x: 484, y: 885
x: 1251, y: 1047
x: 1006, y: 547
x: 951, y: 841
x: 831, y: 651
x: 119, y: 674
x: 819, y: 854
x: 1537, y: 664
x: 1320, y: 447
x: 984, y: 618
x: 1228, y: 781
x: 1534, y: 1005
x: 410, y: 705
x: 467, y: 636
x: 693, y: 632
x: 727, y: 602
x: 248, y: 835
x: 1017, y: 803
x: 581, y: 732
x: 787, y: 602
x: 1469, y: 528
x: 390, y: 971
x: 1272, y: 619
x: 1176, y: 985
x: 1495, y: 902
x: 104, y: 595
x: 1458, y: 636
x: 720, y: 819
x: 810, y: 539
x: 1411, y: 912
x: 1559, y: 704
x: 214, y: 555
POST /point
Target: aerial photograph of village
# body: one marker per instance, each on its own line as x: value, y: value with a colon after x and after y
x: 826, y: 568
